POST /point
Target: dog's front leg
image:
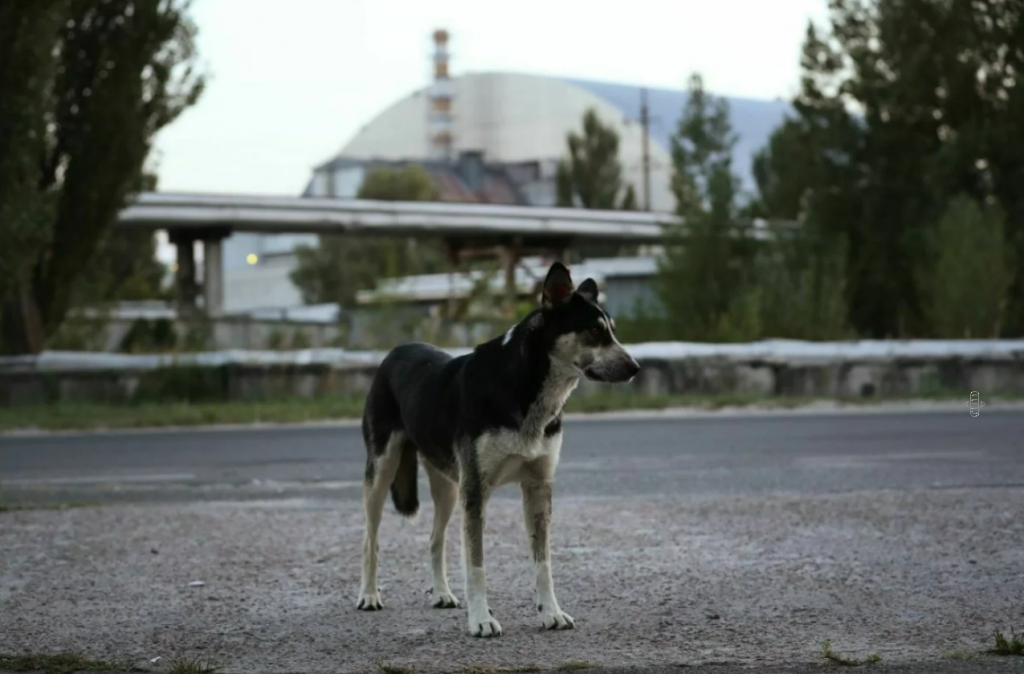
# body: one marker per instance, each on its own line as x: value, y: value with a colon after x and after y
x: 474, y: 501
x: 537, y: 514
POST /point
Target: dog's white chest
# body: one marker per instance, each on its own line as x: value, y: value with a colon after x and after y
x: 503, y: 455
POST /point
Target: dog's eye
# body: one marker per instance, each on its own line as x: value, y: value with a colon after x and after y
x: 597, y: 331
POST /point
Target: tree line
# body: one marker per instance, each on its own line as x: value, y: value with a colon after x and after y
x: 899, y: 173
x: 902, y: 165
x: 84, y: 88
x: 903, y: 162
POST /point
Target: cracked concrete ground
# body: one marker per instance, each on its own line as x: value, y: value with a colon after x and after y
x: 719, y: 545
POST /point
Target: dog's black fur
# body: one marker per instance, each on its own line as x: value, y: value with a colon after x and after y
x: 449, y: 410
x: 436, y: 399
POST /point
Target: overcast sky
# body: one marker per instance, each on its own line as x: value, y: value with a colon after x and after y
x: 290, y: 82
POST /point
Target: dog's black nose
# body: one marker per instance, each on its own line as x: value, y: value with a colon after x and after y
x: 633, y: 368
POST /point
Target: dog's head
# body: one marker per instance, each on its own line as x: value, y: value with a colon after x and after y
x: 580, y: 332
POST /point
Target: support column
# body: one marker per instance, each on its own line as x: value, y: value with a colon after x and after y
x: 453, y: 248
x: 185, y: 286
x: 508, y: 257
x: 213, y: 277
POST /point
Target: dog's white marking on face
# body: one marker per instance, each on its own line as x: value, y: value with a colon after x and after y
x: 602, y: 361
x: 508, y: 336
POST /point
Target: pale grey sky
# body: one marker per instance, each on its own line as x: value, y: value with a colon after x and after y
x: 291, y: 82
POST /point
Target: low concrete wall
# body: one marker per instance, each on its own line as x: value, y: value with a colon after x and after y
x: 860, y: 369
x: 362, y: 326
x: 842, y: 379
x: 195, y: 384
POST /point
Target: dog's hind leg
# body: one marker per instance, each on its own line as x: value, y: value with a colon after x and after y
x: 445, y: 494
x: 381, y: 467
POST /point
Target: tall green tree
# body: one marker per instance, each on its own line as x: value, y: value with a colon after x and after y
x: 27, y: 66
x: 340, y: 265
x: 411, y: 182
x: 702, y: 273
x: 784, y: 171
x: 794, y: 288
x: 124, y: 266
x: 903, y: 103
x: 965, y: 290
x: 100, y: 85
x: 590, y: 176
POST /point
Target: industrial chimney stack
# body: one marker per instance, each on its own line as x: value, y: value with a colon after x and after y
x: 441, y: 101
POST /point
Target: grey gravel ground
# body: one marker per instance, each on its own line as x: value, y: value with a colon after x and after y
x: 901, y: 535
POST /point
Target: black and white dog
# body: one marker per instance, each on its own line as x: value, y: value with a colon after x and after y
x: 480, y: 421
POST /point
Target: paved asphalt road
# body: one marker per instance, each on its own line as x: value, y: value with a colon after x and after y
x: 818, y: 453
x: 741, y: 541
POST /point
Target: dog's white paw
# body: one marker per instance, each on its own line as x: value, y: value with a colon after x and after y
x: 483, y: 624
x: 369, y: 601
x: 443, y: 599
x: 555, y: 618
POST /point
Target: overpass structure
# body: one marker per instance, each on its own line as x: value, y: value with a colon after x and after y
x: 468, y: 230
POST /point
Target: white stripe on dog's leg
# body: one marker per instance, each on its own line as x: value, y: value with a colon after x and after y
x: 537, y: 518
x: 476, y: 593
x: 375, y: 494
x: 445, y: 495
x: 545, y: 588
x: 481, y: 622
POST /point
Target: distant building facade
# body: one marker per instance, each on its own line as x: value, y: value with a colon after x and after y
x: 469, y: 178
x: 624, y: 284
x: 503, y: 136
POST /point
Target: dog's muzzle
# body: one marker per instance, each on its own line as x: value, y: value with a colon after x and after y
x: 619, y: 372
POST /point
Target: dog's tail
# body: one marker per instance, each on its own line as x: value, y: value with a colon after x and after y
x: 404, y: 486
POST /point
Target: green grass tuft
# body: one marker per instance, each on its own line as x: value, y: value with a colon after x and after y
x: 59, y: 663
x: 192, y: 665
x: 959, y: 655
x: 501, y: 669
x: 844, y: 660
x: 1012, y: 646
x: 386, y: 668
x: 93, y: 416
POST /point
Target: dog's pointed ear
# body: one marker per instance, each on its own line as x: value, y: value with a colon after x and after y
x: 588, y: 289
x: 558, y: 287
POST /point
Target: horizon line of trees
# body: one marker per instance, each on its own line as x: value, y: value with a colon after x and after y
x: 902, y: 168
x: 84, y: 88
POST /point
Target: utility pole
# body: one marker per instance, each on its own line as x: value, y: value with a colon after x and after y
x: 645, y: 123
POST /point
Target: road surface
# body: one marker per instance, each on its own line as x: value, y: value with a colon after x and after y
x: 820, y: 453
x: 729, y: 541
